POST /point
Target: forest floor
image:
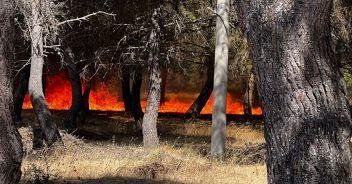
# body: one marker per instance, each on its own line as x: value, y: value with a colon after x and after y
x: 109, y: 150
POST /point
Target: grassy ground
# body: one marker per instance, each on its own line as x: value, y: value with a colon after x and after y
x: 120, y: 158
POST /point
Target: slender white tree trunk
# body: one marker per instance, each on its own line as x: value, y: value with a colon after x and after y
x: 218, y: 137
x: 35, y: 86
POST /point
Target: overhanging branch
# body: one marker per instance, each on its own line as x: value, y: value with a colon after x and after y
x: 86, y: 17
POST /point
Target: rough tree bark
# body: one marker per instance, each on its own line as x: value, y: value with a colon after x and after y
x: 20, y: 94
x: 302, y: 91
x: 35, y: 88
x: 203, y: 97
x: 150, y: 135
x: 76, y: 87
x: 248, y: 84
x: 10, y: 142
x: 218, y: 137
x: 126, y: 89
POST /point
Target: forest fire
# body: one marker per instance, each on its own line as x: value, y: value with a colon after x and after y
x: 58, y: 96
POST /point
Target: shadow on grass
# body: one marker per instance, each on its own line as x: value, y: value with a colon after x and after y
x: 104, y: 180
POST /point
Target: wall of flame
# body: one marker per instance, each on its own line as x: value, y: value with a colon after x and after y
x: 58, y: 97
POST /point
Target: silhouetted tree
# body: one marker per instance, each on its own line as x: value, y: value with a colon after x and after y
x: 204, y: 95
x: 20, y: 93
x: 76, y: 87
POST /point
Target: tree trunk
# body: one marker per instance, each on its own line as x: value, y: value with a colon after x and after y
x: 150, y: 135
x: 136, y: 98
x: 10, y: 142
x: 126, y: 89
x: 307, y: 121
x: 20, y: 94
x: 50, y: 131
x: 85, y: 97
x: 203, y: 97
x: 218, y: 137
x: 248, y: 94
x: 163, y: 84
x: 76, y: 86
x: 44, y: 78
x: 84, y: 105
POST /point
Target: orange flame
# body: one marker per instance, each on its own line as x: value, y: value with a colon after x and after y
x: 58, y: 97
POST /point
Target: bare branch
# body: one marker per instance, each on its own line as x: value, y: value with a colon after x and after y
x: 86, y: 17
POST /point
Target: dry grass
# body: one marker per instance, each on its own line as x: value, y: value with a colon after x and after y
x: 81, y: 162
x: 180, y: 159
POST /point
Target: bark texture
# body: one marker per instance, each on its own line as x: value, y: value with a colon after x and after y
x: 150, y: 135
x: 218, y: 137
x: 203, y: 97
x: 10, y: 142
x: 35, y: 88
x: 20, y: 94
x: 302, y: 91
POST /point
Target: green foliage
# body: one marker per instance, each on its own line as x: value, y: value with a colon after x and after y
x: 239, y: 61
x: 348, y: 80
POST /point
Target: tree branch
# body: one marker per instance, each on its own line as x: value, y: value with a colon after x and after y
x: 85, y: 18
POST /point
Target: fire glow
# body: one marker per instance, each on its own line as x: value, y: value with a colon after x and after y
x: 58, y: 97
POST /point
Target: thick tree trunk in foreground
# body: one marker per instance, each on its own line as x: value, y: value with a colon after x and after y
x: 307, y: 121
x: 50, y: 131
x: 76, y: 106
x: 218, y: 137
x: 204, y: 95
x: 150, y: 135
x: 248, y: 94
x: 10, y: 142
x: 20, y: 93
x: 126, y: 89
x: 136, y: 98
